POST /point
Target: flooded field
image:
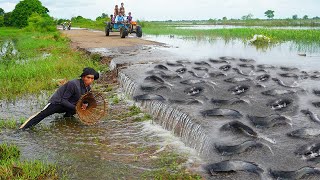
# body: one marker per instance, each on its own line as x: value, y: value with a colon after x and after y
x: 111, y: 149
x: 277, y: 54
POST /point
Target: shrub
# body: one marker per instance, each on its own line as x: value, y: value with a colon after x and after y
x: 43, y: 23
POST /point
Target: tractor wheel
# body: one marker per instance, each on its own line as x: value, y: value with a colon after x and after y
x: 139, y: 31
x: 123, y: 32
x: 107, y: 29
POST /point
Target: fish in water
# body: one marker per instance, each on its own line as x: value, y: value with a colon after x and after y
x: 297, y: 174
x: 315, y: 76
x: 247, y: 60
x: 289, y: 75
x: 227, y: 58
x: 206, y: 75
x: 316, y: 92
x: 218, y: 61
x: 240, y: 89
x: 239, y: 126
x: 227, y: 150
x: 217, y: 74
x: 233, y: 166
x: 231, y: 101
x: 192, y: 81
x: 262, y: 70
x: 145, y: 97
x: 316, y: 104
x: 201, y: 69
x: 304, y: 133
x: 246, y: 66
x: 189, y: 101
x: 269, y: 121
x: 263, y: 77
x: 171, y: 76
x: 236, y: 79
x: 314, y: 117
x: 288, y: 68
x: 198, y: 81
x: 194, y: 91
x: 183, y: 62
x: 277, y: 92
x: 281, y: 83
x: 265, y: 66
x: 181, y: 70
x: 154, y: 78
x: 174, y: 64
x: 162, y: 67
x: 280, y: 104
x: 225, y: 67
x: 149, y: 88
x: 221, y: 112
x: 310, y: 151
x: 202, y: 63
x: 240, y: 72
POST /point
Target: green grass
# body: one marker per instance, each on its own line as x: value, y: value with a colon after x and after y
x: 276, y: 35
x: 12, y: 168
x: 8, y: 123
x: 31, y: 71
x: 169, y: 167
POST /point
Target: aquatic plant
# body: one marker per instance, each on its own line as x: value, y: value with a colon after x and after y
x: 169, y: 166
x: 8, y: 123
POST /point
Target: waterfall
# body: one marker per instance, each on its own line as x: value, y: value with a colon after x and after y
x: 171, y: 118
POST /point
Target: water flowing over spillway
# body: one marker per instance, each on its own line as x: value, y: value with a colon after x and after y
x: 234, y: 104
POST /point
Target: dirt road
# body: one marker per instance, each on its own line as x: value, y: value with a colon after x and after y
x: 97, y: 39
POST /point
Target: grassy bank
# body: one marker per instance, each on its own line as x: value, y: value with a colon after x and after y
x: 276, y: 35
x: 12, y: 168
x: 249, y: 22
x: 34, y: 60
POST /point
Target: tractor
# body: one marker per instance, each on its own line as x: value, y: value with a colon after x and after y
x: 124, y: 28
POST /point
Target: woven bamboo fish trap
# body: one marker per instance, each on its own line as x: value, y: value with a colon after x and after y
x: 96, y: 109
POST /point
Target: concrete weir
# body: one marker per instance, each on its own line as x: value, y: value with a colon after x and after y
x: 234, y: 112
x: 169, y: 117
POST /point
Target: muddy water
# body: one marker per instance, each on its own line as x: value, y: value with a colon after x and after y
x: 111, y: 149
x: 278, y: 54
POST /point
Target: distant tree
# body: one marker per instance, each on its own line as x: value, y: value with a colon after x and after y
x: 305, y: 17
x: 7, y: 19
x: 1, y: 21
x: 295, y: 17
x: 103, y: 16
x: 23, y: 11
x: 316, y: 17
x: 247, y: 17
x: 269, y: 14
x: 224, y: 18
x: 211, y: 21
x: 1, y: 12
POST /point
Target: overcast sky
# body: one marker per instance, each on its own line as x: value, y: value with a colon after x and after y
x: 178, y: 10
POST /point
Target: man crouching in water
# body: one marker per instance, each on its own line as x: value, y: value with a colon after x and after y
x: 64, y: 100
